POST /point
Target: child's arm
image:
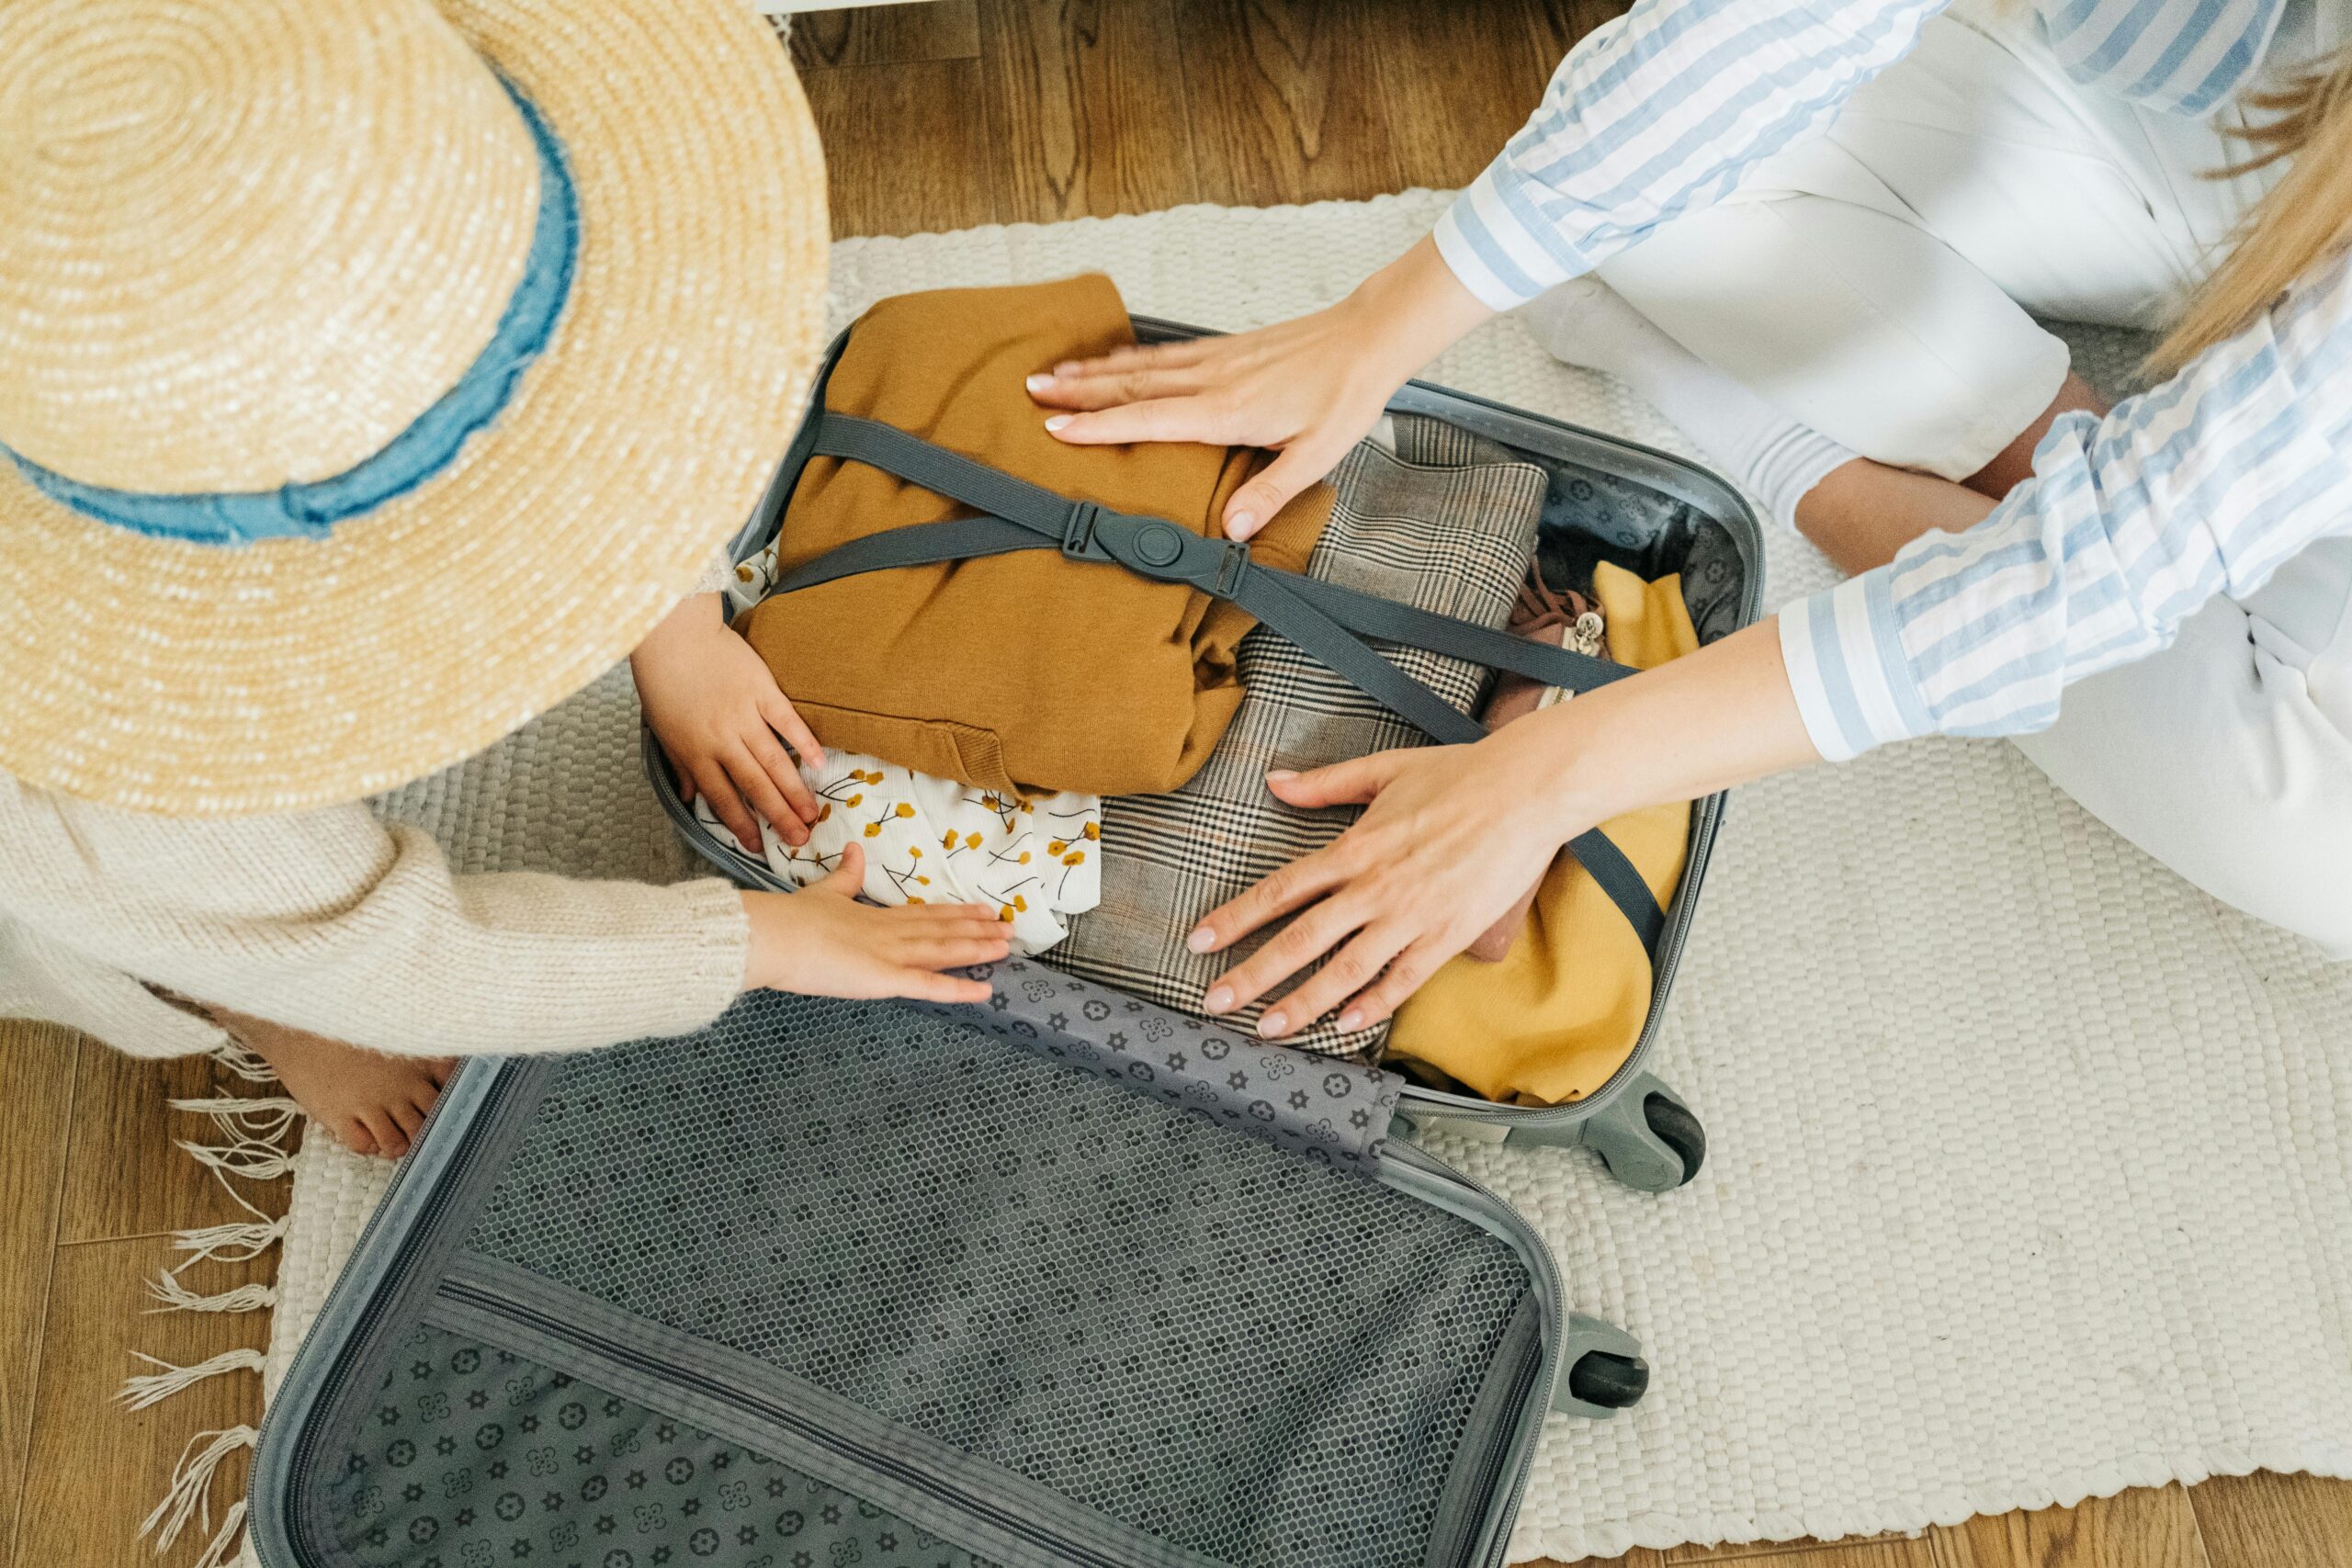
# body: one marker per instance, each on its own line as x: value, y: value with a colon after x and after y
x: 724, y: 723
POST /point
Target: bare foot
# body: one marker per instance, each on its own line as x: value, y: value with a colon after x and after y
x: 375, y: 1103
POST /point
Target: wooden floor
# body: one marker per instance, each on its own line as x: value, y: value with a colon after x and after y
x: 935, y: 116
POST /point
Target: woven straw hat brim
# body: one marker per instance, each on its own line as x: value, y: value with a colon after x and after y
x: 188, y: 680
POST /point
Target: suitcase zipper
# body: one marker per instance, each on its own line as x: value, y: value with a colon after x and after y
x: 669, y: 1372
x: 376, y: 1303
x: 1545, y: 1276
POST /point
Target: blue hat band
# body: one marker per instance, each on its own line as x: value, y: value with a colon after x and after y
x: 430, y: 443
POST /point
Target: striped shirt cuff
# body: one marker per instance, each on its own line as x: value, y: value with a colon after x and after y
x: 1499, y: 258
x: 1854, y: 685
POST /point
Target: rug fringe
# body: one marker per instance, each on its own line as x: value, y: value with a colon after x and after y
x: 267, y: 1118
x: 256, y: 1129
x: 154, y: 1388
x: 254, y: 1160
x: 239, y: 1242
x: 191, y: 1493
x: 247, y: 1064
x: 176, y: 1297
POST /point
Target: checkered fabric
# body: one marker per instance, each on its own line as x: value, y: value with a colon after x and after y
x: 1451, y: 537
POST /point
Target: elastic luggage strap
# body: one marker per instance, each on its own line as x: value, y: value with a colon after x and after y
x: 1322, y: 619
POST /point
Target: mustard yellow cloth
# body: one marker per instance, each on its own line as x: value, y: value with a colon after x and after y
x: 1554, y: 1017
x: 1026, y: 673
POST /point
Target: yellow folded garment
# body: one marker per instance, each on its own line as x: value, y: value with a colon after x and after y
x: 1552, y: 1020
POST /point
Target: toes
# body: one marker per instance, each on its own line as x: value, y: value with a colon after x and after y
x: 391, y: 1142
x: 354, y: 1135
x: 441, y: 1069
x: 406, y: 1116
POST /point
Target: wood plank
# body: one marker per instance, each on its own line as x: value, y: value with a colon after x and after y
x: 2149, y: 1526
x: 2268, y: 1520
x: 94, y: 1468
x: 886, y: 35
x: 1640, y: 1557
x: 1558, y: 25
x: 1890, y: 1552
x: 124, y: 1175
x: 906, y: 146
x: 37, y: 1087
x: 1455, y: 88
x: 1088, y: 107
x: 1286, y: 100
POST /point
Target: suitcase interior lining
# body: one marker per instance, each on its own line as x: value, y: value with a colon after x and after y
x: 1056, y: 1287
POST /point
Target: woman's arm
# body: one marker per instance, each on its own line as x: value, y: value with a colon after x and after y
x: 1448, y: 831
x: 1654, y: 115
x: 2200, y: 486
x: 2131, y: 522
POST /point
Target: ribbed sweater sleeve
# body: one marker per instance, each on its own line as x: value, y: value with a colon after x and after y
x: 329, y: 921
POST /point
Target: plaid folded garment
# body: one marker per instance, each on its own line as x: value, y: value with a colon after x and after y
x: 1419, y: 525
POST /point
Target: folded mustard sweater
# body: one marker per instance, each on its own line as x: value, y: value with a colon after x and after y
x: 1026, y: 671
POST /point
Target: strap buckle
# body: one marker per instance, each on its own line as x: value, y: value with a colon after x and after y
x: 1081, y: 533
x: 1156, y: 549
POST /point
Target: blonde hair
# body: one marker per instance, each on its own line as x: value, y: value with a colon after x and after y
x: 2306, y: 217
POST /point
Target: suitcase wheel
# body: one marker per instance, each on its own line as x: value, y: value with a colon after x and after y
x: 1604, y: 1371
x: 1672, y: 1121
x: 1613, y: 1382
x: 1647, y: 1137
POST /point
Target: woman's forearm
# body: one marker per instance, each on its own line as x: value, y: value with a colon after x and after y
x: 1413, y: 309
x: 1712, y: 719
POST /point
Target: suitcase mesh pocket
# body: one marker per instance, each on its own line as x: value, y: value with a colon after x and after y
x: 1232, y: 1349
x: 478, y: 1458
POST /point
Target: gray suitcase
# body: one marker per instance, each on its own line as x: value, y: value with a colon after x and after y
x: 1063, y: 1280
x: 1654, y: 514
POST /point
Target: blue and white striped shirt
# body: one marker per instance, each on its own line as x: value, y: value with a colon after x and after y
x: 2203, y: 485
x: 1662, y: 110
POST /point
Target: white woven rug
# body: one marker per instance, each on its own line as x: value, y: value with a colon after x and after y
x: 2031, y: 1166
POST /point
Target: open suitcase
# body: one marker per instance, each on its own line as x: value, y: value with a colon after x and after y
x: 1680, y: 519
x: 1067, y: 1279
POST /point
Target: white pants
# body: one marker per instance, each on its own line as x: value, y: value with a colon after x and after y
x: 1879, y: 283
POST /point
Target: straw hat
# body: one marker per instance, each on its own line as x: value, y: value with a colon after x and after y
x: 374, y: 373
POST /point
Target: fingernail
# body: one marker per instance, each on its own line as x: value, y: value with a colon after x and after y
x: 1038, y: 382
x: 1218, y: 1000
x: 1067, y: 367
x: 1281, y: 775
x: 1057, y: 421
x: 1273, y: 1024
x: 1201, y: 939
x: 1240, y: 525
x: 1352, y: 1019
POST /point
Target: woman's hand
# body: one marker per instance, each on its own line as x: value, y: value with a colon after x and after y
x: 1451, y: 833
x: 821, y: 942
x: 1445, y: 848
x: 716, y: 710
x: 1312, y: 387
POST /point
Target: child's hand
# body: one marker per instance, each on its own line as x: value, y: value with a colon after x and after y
x: 823, y: 942
x: 718, y: 715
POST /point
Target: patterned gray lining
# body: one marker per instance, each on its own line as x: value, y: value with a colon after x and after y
x: 475, y: 1457
x: 1237, y: 1351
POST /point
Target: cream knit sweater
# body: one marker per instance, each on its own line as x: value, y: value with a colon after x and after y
x: 329, y: 921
